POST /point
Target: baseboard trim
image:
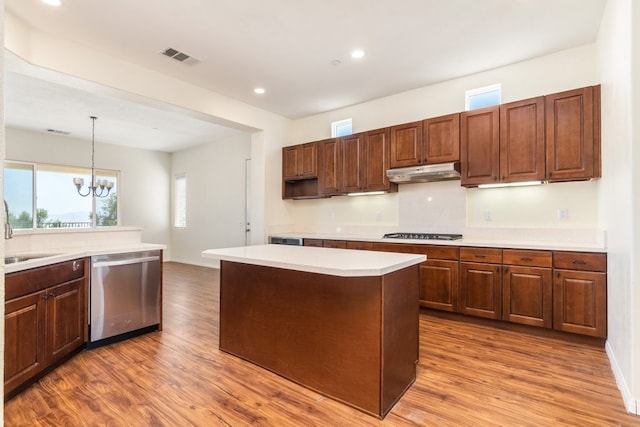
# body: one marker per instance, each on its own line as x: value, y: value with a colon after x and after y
x: 630, y: 402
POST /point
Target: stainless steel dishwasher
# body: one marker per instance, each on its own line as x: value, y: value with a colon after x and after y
x: 125, y: 296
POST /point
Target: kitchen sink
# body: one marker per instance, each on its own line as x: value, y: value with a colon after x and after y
x: 21, y: 258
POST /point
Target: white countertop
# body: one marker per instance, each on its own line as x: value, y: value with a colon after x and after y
x: 464, y: 242
x: 55, y: 256
x: 334, y: 262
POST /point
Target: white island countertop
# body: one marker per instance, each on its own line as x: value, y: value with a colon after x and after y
x: 334, y: 262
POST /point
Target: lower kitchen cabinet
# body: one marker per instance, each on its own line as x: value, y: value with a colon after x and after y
x: 527, y: 287
x: 481, y: 282
x: 580, y: 293
x: 45, y: 320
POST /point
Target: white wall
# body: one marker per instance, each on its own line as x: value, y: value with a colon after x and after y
x: 620, y: 203
x: 215, y: 197
x: 445, y: 206
x: 144, y: 175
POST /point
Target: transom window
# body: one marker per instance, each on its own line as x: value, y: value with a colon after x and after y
x: 44, y: 196
x: 481, y: 97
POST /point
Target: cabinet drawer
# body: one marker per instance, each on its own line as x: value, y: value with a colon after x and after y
x: 341, y: 244
x: 313, y: 242
x: 35, y: 279
x: 585, y: 261
x: 431, y: 251
x: 527, y: 258
x: 486, y: 255
x: 353, y: 244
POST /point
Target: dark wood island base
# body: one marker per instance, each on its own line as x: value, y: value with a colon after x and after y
x: 354, y: 339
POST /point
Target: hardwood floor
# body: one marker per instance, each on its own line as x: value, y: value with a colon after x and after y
x: 468, y: 375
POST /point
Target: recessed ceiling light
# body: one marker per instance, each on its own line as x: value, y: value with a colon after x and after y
x: 357, y: 54
x: 259, y: 90
x: 52, y: 2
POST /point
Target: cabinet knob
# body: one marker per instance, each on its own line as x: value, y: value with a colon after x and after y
x: 53, y: 295
x: 45, y: 297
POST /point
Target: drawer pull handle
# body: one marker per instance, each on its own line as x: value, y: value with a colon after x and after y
x: 526, y: 258
x: 76, y: 265
x: 579, y: 262
x: 480, y: 256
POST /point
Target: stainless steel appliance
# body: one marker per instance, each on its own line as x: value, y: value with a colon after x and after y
x: 124, y: 296
x: 423, y: 236
x: 425, y: 173
x: 295, y: 241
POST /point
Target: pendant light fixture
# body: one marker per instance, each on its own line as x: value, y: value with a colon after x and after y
x: 97, y: 188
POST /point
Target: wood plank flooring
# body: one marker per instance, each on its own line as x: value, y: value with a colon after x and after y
x: 469, y: 375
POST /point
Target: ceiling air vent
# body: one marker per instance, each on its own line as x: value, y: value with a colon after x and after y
x: 179, y: 56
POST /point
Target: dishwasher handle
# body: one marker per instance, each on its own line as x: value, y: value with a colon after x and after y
x: 126, y: 261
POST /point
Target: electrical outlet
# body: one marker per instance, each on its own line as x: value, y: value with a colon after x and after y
x: 563, y: 214
x: 488, y: 215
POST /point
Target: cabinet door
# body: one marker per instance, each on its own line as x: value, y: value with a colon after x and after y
x: 573, y: 134
x: 328, y: 173
x: 406, y: 145
x: 66, y: 323
x: 340, y: 244
x: 377, y: 148
x: 481, y: 290
x: 479, y: 146
x: 352, y: 163
x: 290, y: 161
x: 313, y: 242
x: 355, y: 244
x: 439, y: 285
x: 522, y: 143
x: 579, y: 302
x: 24, y: 339
x: 441, y: 139
x: 526, y: 295
x: 309, y: 161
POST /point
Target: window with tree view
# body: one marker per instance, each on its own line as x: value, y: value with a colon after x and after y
x: 43, y: 196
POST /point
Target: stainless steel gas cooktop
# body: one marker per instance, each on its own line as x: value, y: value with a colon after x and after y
x: 423, y: 236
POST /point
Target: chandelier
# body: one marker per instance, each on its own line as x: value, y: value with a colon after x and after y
x: 97, y: 187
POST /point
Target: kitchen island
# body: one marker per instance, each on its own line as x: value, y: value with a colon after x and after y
x: 340, y: 322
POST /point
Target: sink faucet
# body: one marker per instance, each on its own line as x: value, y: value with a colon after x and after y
x: 8, y: 231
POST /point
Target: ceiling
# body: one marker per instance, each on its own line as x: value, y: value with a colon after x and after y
x: 297, y: 50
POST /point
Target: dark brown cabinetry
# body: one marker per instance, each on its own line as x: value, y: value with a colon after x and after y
x: 522, y: 143
x: 573, y: 134
x: 328, y: 173
x: 503, y: 144
x: 45, y: 320
x: 365, y: 246
x: 300, y: 161
x: 439, y: 276
x: 527, y: 287
x: 434, y: 140
x: 481, y: 282
x: 579, y: 293
x: 364, y: 160
x: 441, y: 139
x: 480, y: 146
x: 300, y: 171
x: 313, y: 242
x: 406, y: 145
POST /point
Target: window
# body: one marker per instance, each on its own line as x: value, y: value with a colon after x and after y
x: 483, y: 97
x: 341, y: 128
x: 48, y: 191
x: 180, y: 200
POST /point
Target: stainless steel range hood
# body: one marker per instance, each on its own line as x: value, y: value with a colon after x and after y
x: 425, y: 173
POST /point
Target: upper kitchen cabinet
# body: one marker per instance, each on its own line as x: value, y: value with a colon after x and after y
x: 480, y: 146
x: 300, y: 161
x: 300, y: 171
x: 364, y: 160
x: 441, y: 139
x: 406, y: 145
x: 522, y: 141
x: 573, y: 134
x: 328, y: 169
x: 503, y: 143
x: 431, y: 141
